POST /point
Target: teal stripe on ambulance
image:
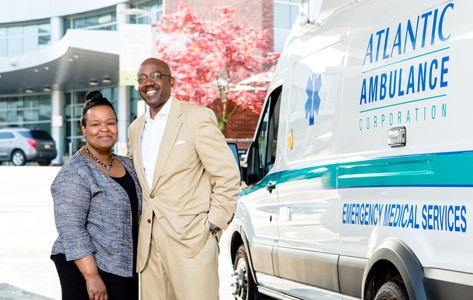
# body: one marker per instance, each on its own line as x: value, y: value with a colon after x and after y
x: 447, y: 169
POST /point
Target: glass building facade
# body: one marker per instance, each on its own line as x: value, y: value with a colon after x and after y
x: 285, y: 14
x: 26, y: 111
x: 19, y: 39
x: 34, y: 109
x: 57, y: 109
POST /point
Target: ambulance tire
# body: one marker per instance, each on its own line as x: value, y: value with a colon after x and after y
x: 245, y: 287
x: 392, y: 290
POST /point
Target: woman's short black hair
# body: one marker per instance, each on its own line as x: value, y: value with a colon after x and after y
x: 94, y: 98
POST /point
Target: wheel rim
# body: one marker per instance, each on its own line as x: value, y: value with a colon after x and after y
x: 241, y: 280
x: 18, y: 158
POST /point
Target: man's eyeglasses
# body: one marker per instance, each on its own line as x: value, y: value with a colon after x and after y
x: 153, y: 75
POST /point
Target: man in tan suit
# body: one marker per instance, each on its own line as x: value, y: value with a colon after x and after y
x: 190, y: 180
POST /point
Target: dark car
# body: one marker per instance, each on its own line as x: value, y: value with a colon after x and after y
x: 22, y: 145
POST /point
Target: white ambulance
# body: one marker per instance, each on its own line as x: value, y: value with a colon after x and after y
x: 360, y: 174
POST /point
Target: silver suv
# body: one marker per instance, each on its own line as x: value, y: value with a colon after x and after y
x: 22, y: 145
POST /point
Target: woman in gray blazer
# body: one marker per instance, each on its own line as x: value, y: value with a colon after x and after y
x: 97, y: 204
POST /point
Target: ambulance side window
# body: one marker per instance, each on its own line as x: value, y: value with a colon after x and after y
x: 266, y: 140
x: 273, y: 134
x: 262, y: 141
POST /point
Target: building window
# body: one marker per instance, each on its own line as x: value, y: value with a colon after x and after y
x: 28, y: 111
x: 285, y: 14
x: 137, y: 105
x: 155, y: 6
x: 20, y: 39
x: 102, y: 21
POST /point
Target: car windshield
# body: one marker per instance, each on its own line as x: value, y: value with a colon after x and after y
x: 36, y: 134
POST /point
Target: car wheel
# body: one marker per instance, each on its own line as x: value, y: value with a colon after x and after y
x: 245, y: 287
x: 18, y: 158
x: 44, y: 162
x: 392, y: 290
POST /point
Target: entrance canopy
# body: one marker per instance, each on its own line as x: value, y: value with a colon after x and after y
x: 80, y: 58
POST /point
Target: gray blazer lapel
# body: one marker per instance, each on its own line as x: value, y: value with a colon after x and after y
x: 170, y: 134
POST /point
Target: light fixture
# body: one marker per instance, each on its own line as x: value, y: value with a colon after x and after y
x: 13, y: 61
x: 93, y: 82
x: 106, y: 79
x: 46, y: 88
x: 29, y: 90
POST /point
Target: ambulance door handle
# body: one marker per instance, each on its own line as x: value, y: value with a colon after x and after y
x: 285, y: 214
x: 271, y: 186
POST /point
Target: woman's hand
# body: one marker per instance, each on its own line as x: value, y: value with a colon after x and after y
x: 96, y: 288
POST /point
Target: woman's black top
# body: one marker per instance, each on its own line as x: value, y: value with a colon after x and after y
x: 129, y: 186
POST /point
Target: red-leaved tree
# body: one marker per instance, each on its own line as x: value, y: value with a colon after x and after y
x: 209, y: 58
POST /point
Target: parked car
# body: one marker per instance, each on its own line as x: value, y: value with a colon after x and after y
x: 22, y: 145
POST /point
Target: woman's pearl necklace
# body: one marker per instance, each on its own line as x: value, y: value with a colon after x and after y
x: 107, y: 166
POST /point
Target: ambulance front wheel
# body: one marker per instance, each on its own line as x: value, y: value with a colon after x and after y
x: 392, y: 290
x: 244, y: 285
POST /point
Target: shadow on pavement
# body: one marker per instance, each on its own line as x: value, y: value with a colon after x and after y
x: 10, y: 292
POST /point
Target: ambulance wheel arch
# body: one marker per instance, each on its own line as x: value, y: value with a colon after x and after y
x: 394, y: 266
x: 240, y: 251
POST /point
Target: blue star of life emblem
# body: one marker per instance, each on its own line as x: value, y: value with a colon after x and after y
x: 313, y: 100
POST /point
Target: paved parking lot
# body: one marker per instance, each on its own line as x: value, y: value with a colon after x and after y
x: 27, y: 232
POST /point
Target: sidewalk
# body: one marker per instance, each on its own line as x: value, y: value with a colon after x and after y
x: 27, y: 232
x: 9, y: 292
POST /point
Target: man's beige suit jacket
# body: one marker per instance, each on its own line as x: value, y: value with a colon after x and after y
x: 196, y: 180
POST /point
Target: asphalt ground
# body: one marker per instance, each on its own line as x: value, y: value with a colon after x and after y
x: 27, y: 232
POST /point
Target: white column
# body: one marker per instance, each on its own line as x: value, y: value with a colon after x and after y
x: 58, y: 123
x: 123, y: 119
x: 123, y: 92
x: 57, y: 29
x: 121, y: 17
